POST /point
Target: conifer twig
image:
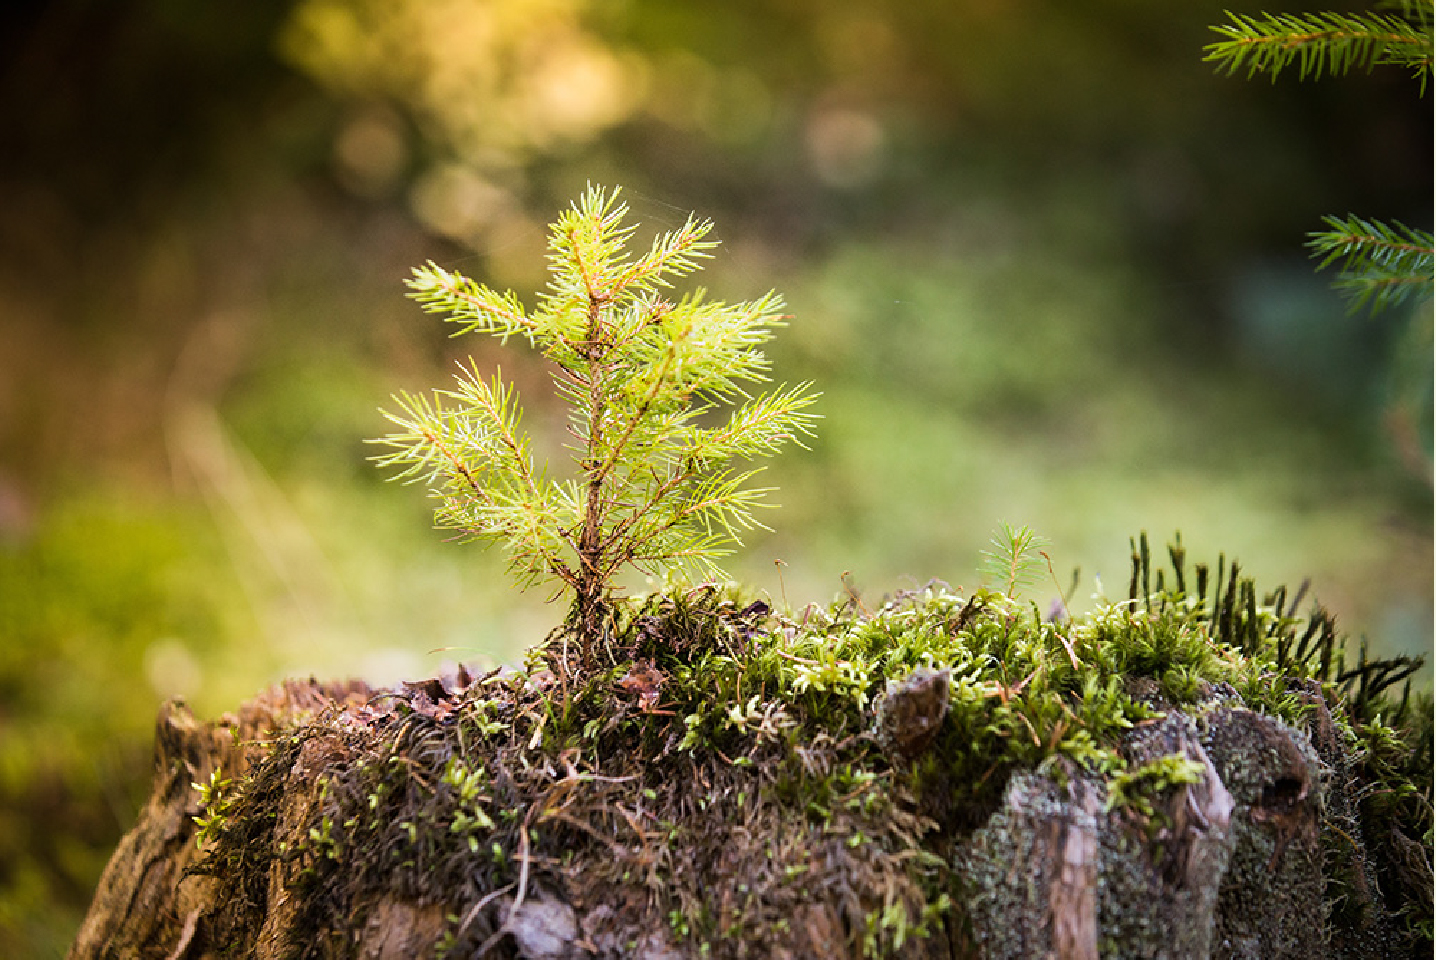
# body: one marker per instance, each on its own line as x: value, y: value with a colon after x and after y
x: 1326, y: 43
x: 1381, y: 264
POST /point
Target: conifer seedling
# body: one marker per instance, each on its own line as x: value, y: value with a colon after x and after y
x: 657, y: 482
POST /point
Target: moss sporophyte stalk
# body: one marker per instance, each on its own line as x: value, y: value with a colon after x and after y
x: 653, y: 485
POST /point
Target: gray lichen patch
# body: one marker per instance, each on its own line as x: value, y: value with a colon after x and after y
x: 1057, y: 871
x: 1273, y: 895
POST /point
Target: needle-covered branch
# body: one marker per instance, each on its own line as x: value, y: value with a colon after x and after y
x: 652, y: 485
x: 472, y: 305
x: 1381, y: 264
x: 1319, y: 44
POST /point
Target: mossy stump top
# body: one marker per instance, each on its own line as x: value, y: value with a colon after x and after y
x: 943, y: 776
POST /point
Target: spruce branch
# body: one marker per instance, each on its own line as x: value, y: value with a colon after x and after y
x: 1382, y: 265
x: 472, y: 305
x: 1326, y: 43
x: 653, y: 485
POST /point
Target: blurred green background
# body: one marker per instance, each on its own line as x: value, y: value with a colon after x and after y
x: 1044, y: 263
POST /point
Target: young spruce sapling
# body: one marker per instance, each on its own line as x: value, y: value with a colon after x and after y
x: 657, y: 482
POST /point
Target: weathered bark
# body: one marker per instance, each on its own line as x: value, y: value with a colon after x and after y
x: 1230, y: 866
x: 146, y: 905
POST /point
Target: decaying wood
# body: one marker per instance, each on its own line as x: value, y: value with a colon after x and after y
x: 145, y: 905
x: 1230, y: 866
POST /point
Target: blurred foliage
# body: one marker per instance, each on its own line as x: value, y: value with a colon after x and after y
x: 107, y: 596
x: 493, y: 82
x: 1044, y: 264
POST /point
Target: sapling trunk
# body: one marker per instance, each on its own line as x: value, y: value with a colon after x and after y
x: 589, y: 592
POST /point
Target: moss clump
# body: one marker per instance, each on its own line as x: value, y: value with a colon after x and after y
x: 847, y: 782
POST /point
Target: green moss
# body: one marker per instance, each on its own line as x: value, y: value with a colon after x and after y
x: 871, y: 751
x: 1137, y: 789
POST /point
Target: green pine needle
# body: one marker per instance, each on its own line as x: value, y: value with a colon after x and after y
x: 1382, y: 265
x: 1321, y: 44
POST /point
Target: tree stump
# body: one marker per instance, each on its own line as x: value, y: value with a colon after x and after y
x: 945, y: 778
x: 1228, y: 866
